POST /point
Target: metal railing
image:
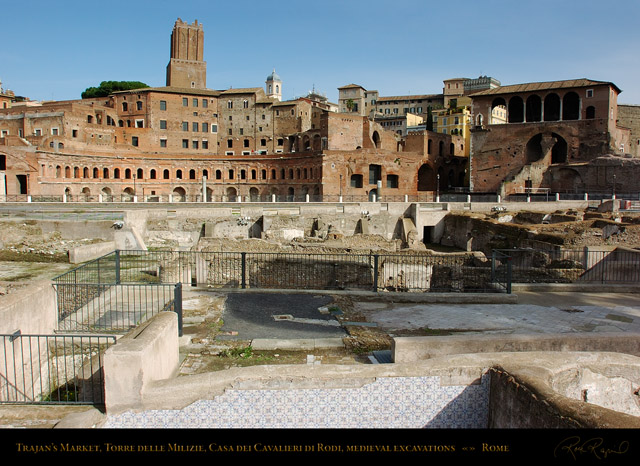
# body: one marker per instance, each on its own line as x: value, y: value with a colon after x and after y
x: 386, y: 195
x: 296, y: 271
x: 94, y: 298
x: 574, y: 266
x: 53, y: 369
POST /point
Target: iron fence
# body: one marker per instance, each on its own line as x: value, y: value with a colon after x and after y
x: 574, y: 266
x: 53, y: 369
x: 93, y: 297
x: 320, y: 271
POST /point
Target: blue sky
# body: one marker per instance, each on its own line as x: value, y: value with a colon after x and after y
x: 396, y: 47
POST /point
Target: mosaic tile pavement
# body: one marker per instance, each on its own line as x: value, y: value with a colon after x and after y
x: 390, y: 402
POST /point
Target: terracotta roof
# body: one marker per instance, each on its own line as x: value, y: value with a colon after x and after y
x: 172, y: 90
x: 542, y: 86
x: 246, y: 90
x: 351, y: 85
x: 410, y: 97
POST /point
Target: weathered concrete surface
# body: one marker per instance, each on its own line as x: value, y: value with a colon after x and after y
x: 412, y: 349
x: 33, y: 310
x: 148, y: 353
x: 90, y: 251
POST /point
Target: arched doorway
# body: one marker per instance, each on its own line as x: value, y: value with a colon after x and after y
x: 426, y: 178
x: 232, y: 194
x: 254, y: 195
x: 179, y: 194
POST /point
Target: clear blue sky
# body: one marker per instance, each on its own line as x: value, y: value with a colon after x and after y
x: 396, y: 47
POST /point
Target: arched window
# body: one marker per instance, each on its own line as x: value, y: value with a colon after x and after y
x: 140, y: 173
x: 125, y: 106
x: 165, y: 174
x: 116, y: 173
x: 570, y: 106
x: 552, y: 107
x: 105, y: 173
x: 218, y: 174
x: 516, y: 109
x: 152, y: 174
x: 127, y: 174
x: 192, y: 174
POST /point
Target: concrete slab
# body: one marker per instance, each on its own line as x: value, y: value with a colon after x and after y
x: 265, y: 344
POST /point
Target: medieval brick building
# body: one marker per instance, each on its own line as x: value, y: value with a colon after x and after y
x: 185, y: 141
x: 559, y: 136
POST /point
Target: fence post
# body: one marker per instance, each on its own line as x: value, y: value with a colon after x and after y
x: 117, y: 266
x: 375, y: 272
x: 244, y: 268
x: 493, y: 266
x: 177, y: 305
x: 509, y: 275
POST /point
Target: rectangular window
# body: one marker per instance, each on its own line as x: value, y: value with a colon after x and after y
x: 229, y: 143
x: 163, y: 124
x: 195, y: 102
x: 195, y: 126
x: 134, y: 141
x: 246, y: 143
x: 589, y: 92
x: 205, y: 127
x: 139, y: 123
x: 205, y: 103
x: 37, y: 132
x: 241, y: 131
x: 185, y: 102
x: 214, y: 128
x: 185, y: 143
x: 375, y: 173
x: 194, y: 144
x: 163, y: 143
x: 205, y: 144
x: 163, y: 105
x: 356, y: 181
x: 185, y: 126
x: 74, y: 133
x: 392, y: 181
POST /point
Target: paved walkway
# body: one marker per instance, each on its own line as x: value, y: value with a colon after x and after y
x: 534, y: 312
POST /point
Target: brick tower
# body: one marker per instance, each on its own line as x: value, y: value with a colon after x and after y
x: 186, y: 67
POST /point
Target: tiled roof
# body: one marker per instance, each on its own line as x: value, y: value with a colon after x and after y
x: 410, y: 97
x: 542, y: 86
x: 350, y: 86
x: 172, y: 90
x: 246, y: 90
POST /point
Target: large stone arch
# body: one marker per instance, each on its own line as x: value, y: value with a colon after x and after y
x: 540, y: 145
x: 566, y: 180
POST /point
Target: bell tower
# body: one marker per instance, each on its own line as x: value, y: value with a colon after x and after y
x: 273, y: 86
x: 186, y: 67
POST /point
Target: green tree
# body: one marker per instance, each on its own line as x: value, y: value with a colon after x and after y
x: 109, y: 87
x: 429, y: 119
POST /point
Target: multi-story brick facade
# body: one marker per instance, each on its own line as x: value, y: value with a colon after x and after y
x: 187, y: 142
x: 553, y: 134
